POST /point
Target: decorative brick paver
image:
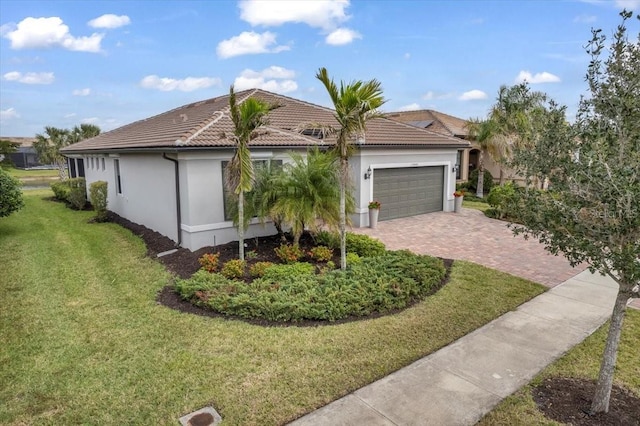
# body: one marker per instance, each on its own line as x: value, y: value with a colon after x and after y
x: 470, y: 235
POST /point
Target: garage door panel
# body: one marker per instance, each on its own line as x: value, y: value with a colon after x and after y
x: 408, y: 191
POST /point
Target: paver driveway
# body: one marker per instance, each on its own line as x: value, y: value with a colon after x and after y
x: 470, y: 235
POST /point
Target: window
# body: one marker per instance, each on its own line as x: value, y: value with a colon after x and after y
x: 458, y: 164
x: 116, y: 167
x: 92, y: 165
x: 228, y: 196
x: 103, y: 166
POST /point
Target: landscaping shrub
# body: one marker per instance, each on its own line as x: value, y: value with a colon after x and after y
x: 321, y: 253
x: 487, y: 183
x: 353, y: 258
x: 363, y: 245
x: 233, y: 269
x: 210, y: 262
x: 289, y: 253
x: 61, y: 190
x: 77, y: 196
x: 98, y: 195
x: 10, y: 194
x: 500, y: 198
x: 293, y: 292
x: 258, y: 269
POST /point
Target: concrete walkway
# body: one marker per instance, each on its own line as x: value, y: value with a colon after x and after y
x: 460, y: 383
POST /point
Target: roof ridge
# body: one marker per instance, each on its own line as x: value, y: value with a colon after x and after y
x: 395, y: 122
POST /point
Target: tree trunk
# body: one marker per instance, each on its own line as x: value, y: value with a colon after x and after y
x: 62, y: 169
x: 501, y: 176
x: 241, y: 225
x: 343, y: 214
x: 605, y: 378
x: 480, y: 185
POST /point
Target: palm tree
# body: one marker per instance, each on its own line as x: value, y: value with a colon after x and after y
x: 484, y: 133
x: 355, y: 104
x: 248, y: 117
x: 308, y: 191
x: 48, y: 147
x: 84, y: 131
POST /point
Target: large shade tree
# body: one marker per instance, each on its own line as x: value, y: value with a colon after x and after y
x: 592, y: 211
x: 248, y: 118
x: 355, y: 104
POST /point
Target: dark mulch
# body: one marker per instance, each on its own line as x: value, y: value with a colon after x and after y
x: 568, y: 400
x: 184, y: 263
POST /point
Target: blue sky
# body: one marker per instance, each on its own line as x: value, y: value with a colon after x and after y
x: 109, y: 63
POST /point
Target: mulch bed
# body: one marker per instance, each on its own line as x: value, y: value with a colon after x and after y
x: 184, y: 263
x: 568, y: 400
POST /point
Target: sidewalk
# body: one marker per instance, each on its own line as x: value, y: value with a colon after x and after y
x: 460, y: 383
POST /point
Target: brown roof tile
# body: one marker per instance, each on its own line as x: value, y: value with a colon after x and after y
x: 205, y: 123
x: 442, y: 123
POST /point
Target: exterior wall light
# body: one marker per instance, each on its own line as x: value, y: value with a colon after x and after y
x: 367, y: 174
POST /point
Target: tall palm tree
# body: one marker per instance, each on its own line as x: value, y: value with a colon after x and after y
x: 248, y: 117
x: 355, y: 104
x: 84, y: 131
x: 48, y: 147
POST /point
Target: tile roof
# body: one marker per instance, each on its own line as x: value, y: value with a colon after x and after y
x: 205, y: 123
x: 441, y: 123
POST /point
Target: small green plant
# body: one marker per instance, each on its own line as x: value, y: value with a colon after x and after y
x: 258, y: 269
x: 61, y: 190
x: 290, y: 271
x: 374, y: 205
x: 321, y: 253
x: 233, y: 269
x: 251, y: 254
x: 98, y: 195
x: 353, y: 258
x: 289, y: 253
x: 210, y: 262
x: 364, y: 245
x: 329, y: 239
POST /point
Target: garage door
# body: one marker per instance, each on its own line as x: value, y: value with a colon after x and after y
x: 408, y: 191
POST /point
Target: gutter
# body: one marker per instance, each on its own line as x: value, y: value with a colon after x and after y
x: 178, y: 210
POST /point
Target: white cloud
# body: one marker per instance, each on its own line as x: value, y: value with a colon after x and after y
x: 274, y: 79
x: 585, y: 19
x: 327, y: 14
x: 473, y: 95
x: 81, y: 92
x: 407, y: 55
x: 411, y: 107
x: 8, y: 114
x: 628, y: 4
x: 110, y: 21
x: 541, y: 77
x: 249, y: 42
x: 30, y: 77
x: 42, y: 33
x: 70, y: 115
x: 342, y: 36
x: 188, y: 84
x: 89, y: 120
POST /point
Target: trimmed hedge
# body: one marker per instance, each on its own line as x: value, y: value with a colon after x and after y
x: 293, y: 292
x: 73, y: 191
x: 99, y: 200
x: 361, y: 244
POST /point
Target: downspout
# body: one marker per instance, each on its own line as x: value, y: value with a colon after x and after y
x: 178, y: 212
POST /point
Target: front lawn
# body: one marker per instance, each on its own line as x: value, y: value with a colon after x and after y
x: 84, y: 341
x: 583, y: 361
x: 22, y: 174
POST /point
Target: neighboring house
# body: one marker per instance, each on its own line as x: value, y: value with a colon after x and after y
x: 166, y: 172
x: 449, y: 125
x: 25, y: 157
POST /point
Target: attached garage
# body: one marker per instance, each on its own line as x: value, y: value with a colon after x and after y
x: 408, y: 191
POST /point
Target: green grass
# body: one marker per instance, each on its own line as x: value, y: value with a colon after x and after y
x: 84, y: 342
x: 583, y: 361
x: 477, y: 205
x: 26, y: 174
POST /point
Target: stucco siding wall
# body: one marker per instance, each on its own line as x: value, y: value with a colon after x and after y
x: 148, y: 192
x: 384, y: 158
